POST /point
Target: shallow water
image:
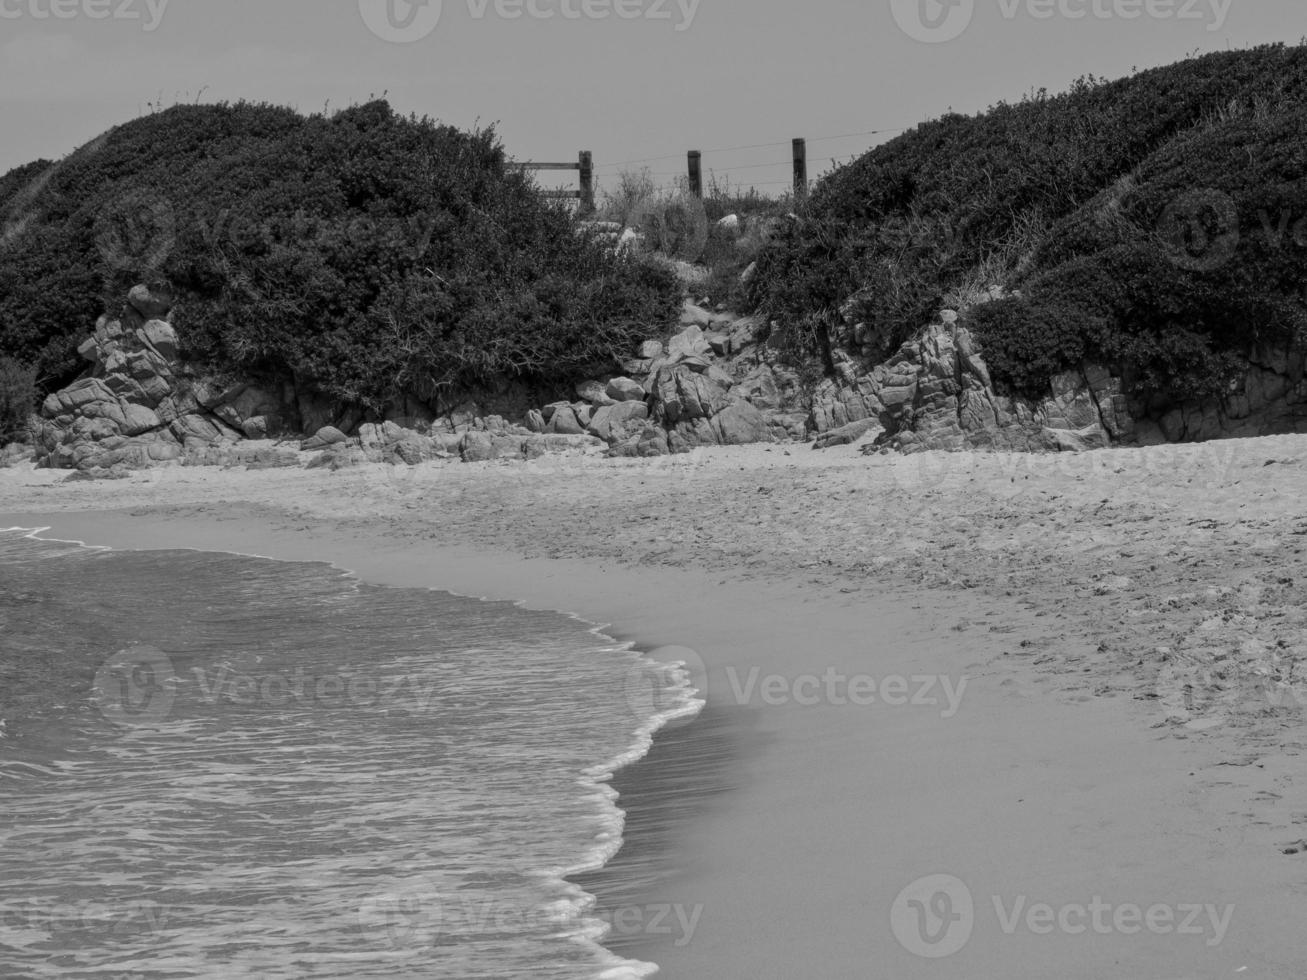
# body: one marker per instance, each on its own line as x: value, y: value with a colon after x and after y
x: 221, y: 766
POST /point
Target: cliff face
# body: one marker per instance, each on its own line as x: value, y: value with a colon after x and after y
x: 1270, y: 399
x: 936, y: 393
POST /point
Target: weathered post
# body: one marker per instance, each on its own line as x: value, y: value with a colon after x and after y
x: 587, y: 182
x: 800, y: 170
x: 696, y: 173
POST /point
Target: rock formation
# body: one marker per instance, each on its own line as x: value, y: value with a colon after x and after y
x: 136, y: 406
x: 935, y: 393
x: 714, y: 382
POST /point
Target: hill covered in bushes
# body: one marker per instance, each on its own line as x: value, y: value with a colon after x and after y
x: 362, y: 255
x: 1156, y: 224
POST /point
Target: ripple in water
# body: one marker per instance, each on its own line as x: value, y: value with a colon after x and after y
x: 221, y: 766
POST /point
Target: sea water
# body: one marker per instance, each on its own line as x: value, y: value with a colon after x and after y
x: 223, y: 766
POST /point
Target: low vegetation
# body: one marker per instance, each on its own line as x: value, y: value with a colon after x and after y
x: 17, y: 399
x: 1157, y: 224
x: 362, y: 255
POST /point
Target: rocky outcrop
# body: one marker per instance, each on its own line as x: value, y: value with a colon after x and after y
x: 1270, y: 399
x: 136, y: 406
x: 713, y: 383
x: 936, y: 393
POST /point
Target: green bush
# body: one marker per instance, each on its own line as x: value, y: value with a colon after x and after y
x: 1082, y: 201
x: 17, y: 399
x: 362, y: 255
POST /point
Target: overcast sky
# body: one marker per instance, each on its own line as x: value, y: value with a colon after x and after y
x: 652, y: 78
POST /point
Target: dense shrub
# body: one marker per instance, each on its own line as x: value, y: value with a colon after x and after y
x: 363, y: 254
x: 17, y: 399
x: 1132, y: 215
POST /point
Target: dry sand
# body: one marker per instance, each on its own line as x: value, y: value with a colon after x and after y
x: 1129, y: 627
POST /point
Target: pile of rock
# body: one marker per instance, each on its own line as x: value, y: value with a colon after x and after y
x: 134, y: 407
x: 391, y: 443
x: 936, y: 393
x: 711, y: 384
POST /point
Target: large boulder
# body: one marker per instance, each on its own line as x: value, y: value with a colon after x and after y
x: 741, y: 425
x: 682, y: 394
x: 324, y: 438
x: 624, y: 390
x: 565, y: 423
x: 690, y: 343
x: 618, y: 423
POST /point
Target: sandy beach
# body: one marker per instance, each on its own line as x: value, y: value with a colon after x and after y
x: 1039, y: 713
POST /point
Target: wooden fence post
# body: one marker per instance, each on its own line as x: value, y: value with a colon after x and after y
x: 800, y: 170
x: 696, y: 173
x: 587, y: 182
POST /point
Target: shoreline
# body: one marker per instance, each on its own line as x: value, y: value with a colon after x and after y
x: 598, y: 779
x: 1047, y: 784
